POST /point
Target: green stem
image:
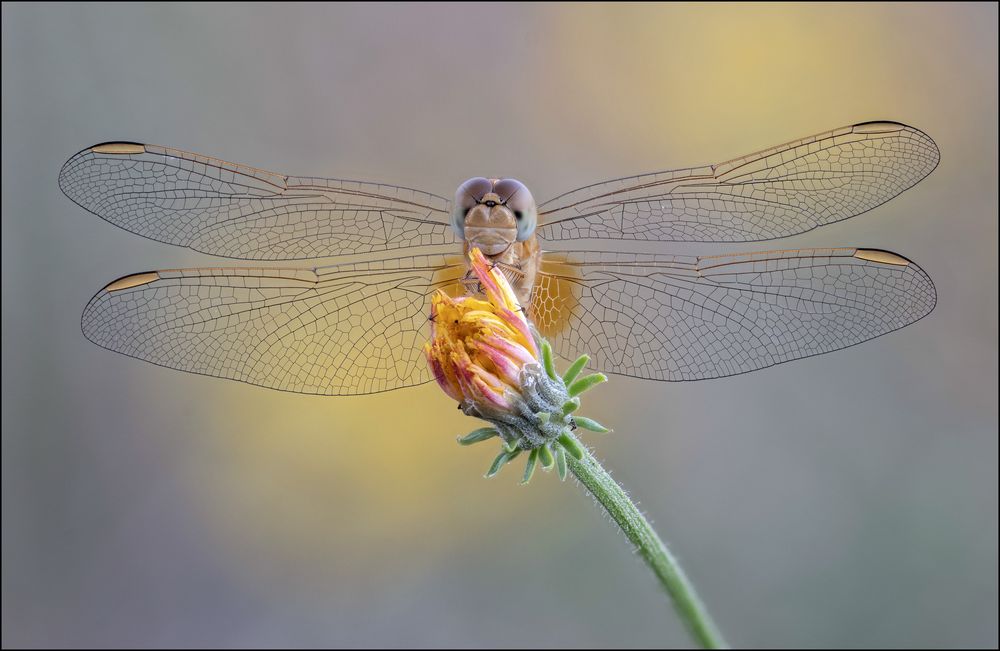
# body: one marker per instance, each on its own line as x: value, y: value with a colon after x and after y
x: 638, y: 530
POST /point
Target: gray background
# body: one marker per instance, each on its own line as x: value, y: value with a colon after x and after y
x: 848, y: 499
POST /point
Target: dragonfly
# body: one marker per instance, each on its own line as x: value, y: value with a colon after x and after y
x: 356, y: 324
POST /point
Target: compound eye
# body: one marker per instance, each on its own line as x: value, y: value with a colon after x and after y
x: 516, y: 196
x: 472, y: 191
x: 467, y: 196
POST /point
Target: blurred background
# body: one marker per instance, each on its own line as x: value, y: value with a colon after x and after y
x: 844, y: 500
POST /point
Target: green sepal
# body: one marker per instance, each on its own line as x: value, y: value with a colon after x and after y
x: 510, y: 447
x: 591, y: 424
x: 543, y: 416
x: 587, y: 382
x: 550, y: 367
x: 545, y: 456
x: 497, y: 464
x: 480, y: 434
x: 575, y: 368
x: 529, y: 468
x: 561, y: 463
x: 571, y: 446
x: 501, y: 459
x: 570, y: 406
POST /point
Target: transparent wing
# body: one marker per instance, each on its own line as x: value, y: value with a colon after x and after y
x: 236, y: 211
x: 788, y: 189
x: 677, y: 318
x: 345, y: 329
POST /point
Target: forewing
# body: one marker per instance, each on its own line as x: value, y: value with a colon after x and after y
x: 677, y: 318
x: 782, y: 191
x: 346, y: 329
x: 237, y: 211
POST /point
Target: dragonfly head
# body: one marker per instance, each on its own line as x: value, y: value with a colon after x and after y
x: 492, y: 214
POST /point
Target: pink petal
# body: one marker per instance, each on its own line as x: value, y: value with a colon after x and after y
x: 509, y: 371
x: 481, y: 266
x: 511, y: 349
x: 437, y: 370
x: 517, y: 320
x: 487, y: 392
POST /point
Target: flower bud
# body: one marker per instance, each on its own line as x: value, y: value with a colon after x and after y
x: 485, y: 355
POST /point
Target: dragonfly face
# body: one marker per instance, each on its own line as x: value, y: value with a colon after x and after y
x: 356, y: 323
x: 494, y: 213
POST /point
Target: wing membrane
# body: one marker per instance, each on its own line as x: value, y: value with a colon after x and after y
x: 346, y: 329
x: 678, y: 318
x: 782, y: 191
x: 237, y: 211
